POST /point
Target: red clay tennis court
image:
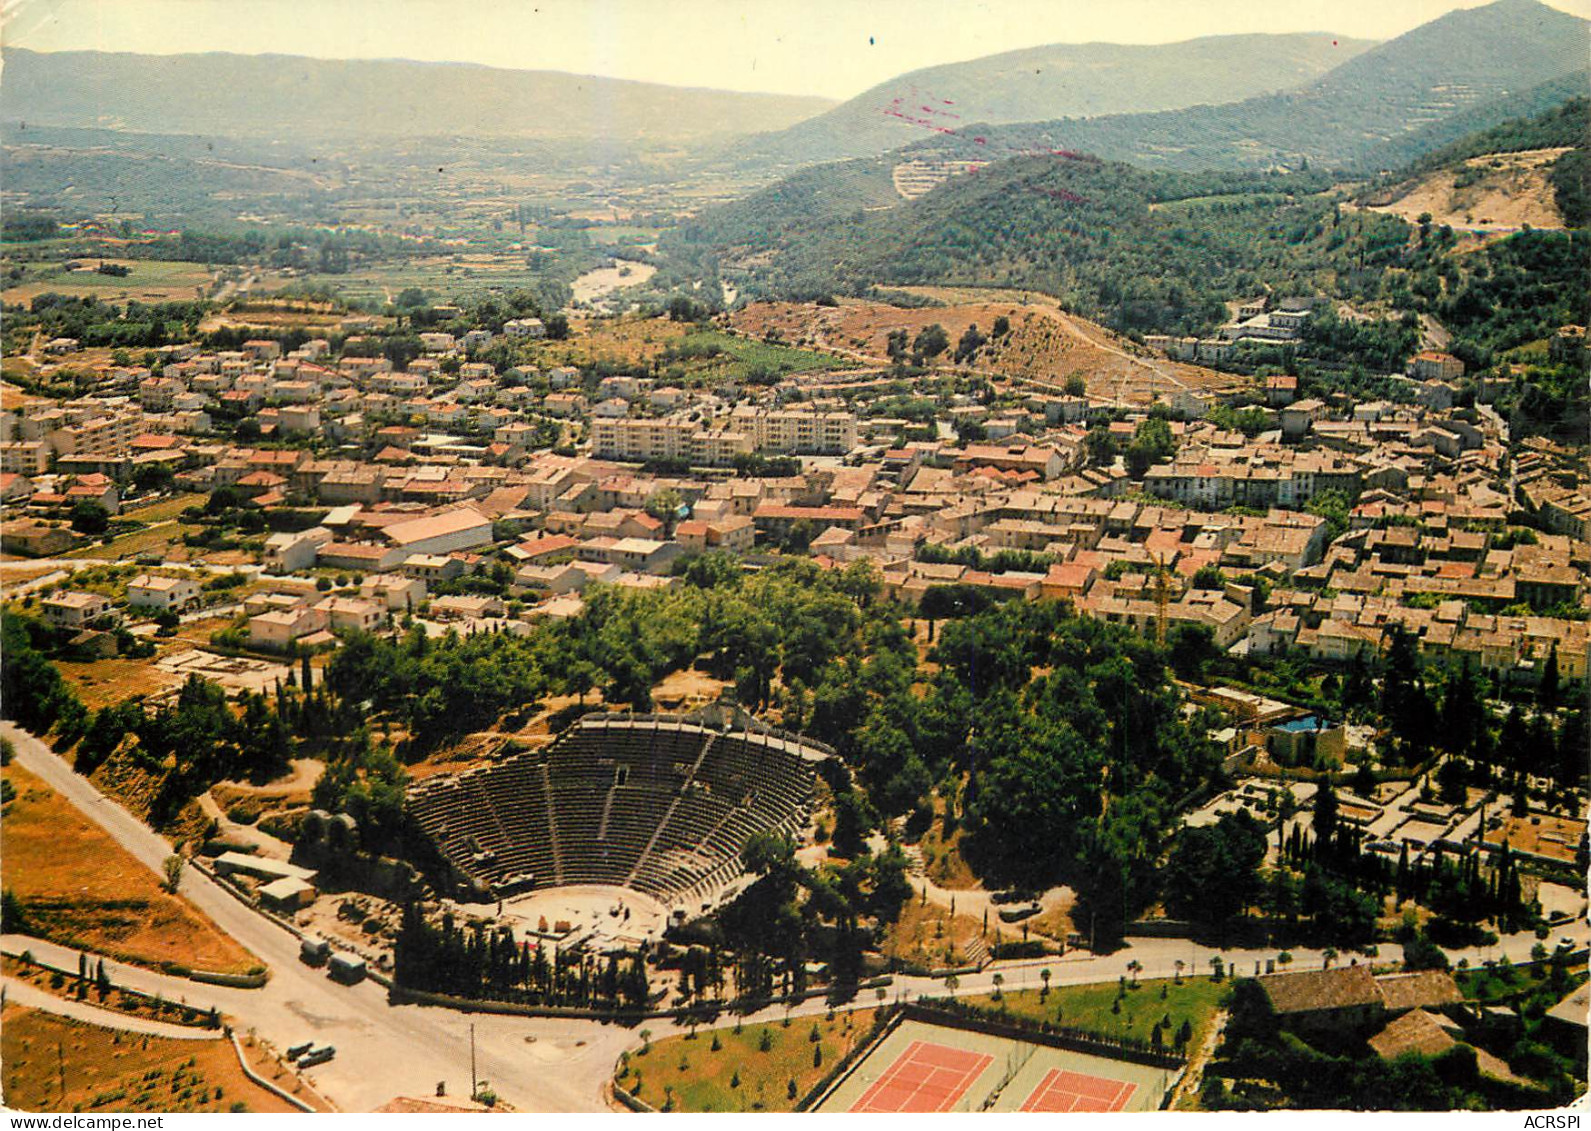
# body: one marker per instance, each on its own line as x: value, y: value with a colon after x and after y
x: 1061, y: 1090
x: 926, y: 1077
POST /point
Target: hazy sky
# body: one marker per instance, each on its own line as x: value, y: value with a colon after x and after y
x: 835, y: 48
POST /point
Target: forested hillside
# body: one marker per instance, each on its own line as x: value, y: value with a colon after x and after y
x: 1544, y: 99
x: 1137, y: 250
x: 1154, y: 251
x: 1562, y: 126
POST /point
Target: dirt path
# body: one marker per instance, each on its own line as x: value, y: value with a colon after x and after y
x: 300, y: 779
x: 978, y: 901
x: 1188, y: 1086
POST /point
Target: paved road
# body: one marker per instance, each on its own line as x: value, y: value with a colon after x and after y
x: 132, y: 977
x: 21, y: 993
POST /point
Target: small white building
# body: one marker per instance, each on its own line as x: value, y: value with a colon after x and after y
x: 395, y: 591
x: 278, y: 629
x: 162, y: 594
x: 467, y: 608
x: 74, y: 609
x: 352, y: 613
x: 292, y: 550
x: 525, y: 328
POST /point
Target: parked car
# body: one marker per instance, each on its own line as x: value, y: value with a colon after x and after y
x: 317, y: 1056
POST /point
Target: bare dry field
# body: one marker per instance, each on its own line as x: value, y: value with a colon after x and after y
x: 930, y: 935
x: 81, y: 889
x: 1509, y: 190
x: 687, y: 690
x: 275, y: 317
x: 1045, y: 347
x: 150, y: 280
x: 603, y: 280
x: 625, y: 341
x: 110, y: 1070
x: 101, y: 683
x: 165, y: 509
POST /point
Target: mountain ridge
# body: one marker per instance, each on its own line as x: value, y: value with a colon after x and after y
x: 230, y: 94
x: 1462, y: 59
x: 1067, y: 79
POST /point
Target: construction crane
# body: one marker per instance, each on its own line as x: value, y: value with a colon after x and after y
x: 1162, y: 596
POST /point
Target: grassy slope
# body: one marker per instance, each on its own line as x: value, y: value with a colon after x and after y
x: 1195, y: 999
x: 83, y: 890
x: 700, y: 1078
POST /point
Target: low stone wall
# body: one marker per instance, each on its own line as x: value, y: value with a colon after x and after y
x: 633, y: 1103
x: 403, y: 995
x: 243, y: 1063
x: 236, y: 981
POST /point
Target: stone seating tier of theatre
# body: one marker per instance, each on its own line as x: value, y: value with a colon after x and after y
x: 656, y: 804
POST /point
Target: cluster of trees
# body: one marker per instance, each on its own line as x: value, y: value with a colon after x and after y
x: 1487, y: 751
x: 1071, y: 776
x: 1152, y: 443
x: 200, y: 738
x: 190, y: 743
x: 1381, y: 344
x: 1001, y: 561
x: 477, y: 961
x: 1212, y: 874
x: 791, y: 915
x: 931, y: 341
x: 28, y: 225
x: 1511, y: 292
x: 96, y: 323
x: 365, y: 780
x: 31, y: 688
x: 439, y: 689
x: 1430, y: 708
x: 1327, y: 889
x: 792, y: 621
x: 1461, y: 892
